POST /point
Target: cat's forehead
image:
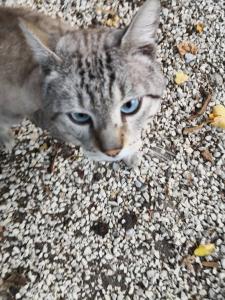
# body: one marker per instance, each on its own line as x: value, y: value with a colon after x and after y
x: 98, y: 81
x: 89, y: 41
x: 96, y: 57
x: 101, y: 74
x: 94, y: 67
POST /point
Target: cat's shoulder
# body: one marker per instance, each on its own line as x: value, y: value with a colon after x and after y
x: 11, y: 16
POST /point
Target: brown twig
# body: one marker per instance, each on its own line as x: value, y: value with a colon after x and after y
x: 210, y: 264
x: 203, y: 108
x: 193, y: 129
x: 51, y: 168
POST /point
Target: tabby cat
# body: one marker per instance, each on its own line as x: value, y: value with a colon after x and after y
x: 96, y: 88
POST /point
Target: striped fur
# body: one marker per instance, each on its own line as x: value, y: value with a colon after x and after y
x: 95, y: 72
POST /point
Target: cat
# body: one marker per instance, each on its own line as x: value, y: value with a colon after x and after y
x: 95, y: 88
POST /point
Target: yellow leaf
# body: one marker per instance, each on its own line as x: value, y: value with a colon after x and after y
x: 116, y: 21
x: 199, y: 27
x: 219, y: 110
x: 181, y: 77
x: 217, y: 117
x: 204, y: 250
x: 109, y: 22
x: 113, y: 21
x: 43, y: 147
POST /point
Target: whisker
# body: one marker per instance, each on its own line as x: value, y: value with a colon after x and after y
x: 161, y: 153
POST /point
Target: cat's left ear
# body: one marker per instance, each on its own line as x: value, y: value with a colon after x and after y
x: 142, y: 30
x: 38, y: 42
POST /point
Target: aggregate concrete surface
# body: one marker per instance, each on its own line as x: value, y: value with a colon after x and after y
x: 75, y: 229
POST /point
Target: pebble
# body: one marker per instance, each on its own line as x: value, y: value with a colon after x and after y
x: 217, y: 79
x: 87, y: 251
x: 189, y: 57
x: 138, y: 184
x: 223, y: 263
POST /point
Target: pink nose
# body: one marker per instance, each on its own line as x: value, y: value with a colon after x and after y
x: 112, y: 152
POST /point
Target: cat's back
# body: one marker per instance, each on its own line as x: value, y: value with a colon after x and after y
x: 11, y: 16
x: 15, y: 55
x: 19, y: 72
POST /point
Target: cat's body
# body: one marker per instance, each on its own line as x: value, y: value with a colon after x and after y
x: 20, y: 74
x: 94, y: 88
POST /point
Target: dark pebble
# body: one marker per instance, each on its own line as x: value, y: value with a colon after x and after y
x: 100, y: 228
x: 130, y: 220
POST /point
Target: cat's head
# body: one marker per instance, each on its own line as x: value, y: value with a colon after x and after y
x: 102, y: 86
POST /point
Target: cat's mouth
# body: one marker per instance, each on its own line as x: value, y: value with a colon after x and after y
x: 100, y: 156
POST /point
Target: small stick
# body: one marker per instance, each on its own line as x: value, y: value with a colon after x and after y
x: 210, y: 264
x: 51, y: 167
x: 188, y: 130
x: 203, y: 108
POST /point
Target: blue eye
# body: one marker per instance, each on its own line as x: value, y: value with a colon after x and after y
x: 79, y: 118
x: 131, y: 107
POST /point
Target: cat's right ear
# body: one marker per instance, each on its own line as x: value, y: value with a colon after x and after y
x: 142, y: 30
x: 38, y: 42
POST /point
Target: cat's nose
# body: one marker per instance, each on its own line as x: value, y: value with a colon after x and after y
x: 112, y: 152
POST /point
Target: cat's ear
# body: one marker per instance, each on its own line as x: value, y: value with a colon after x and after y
x: 38, y: 42
x: 142, y: 30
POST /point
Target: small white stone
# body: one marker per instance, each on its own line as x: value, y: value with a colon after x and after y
x: 18, y: 296
x: 131, y: 289
x: 130, y: 232
x: 217, y: 78
x: 87, y: 251
x: 29, y: 188
x: 189, y: 57
x: 156, y: 253
x: 146, y: 196
x: 108, y: 256
x: 149, y: 295
x: 223, y: 263
x: 138, y: 184
x: 116, y: 166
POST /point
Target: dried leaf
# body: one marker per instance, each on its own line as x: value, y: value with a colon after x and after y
x: 204, y: 250
x: 114, y: 21
x: 181, y: 77
x: 80, y: 173
x: 190, y: 179
x: 188, y: 262
x: 199, y: 27
x: 15, y: 279
x: 207, y: 155
x: 193, y: 129
x: 210, y: 264
x: 217, y: 117
x: 203, y: 108
x: 54, y: 156
x: 44, y: 147
x: 187, y: 47
x: 2, y: 229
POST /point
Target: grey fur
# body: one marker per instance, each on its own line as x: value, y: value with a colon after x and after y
x: 93, y: 72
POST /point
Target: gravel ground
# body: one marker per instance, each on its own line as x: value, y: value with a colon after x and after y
x: 75, y: 229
